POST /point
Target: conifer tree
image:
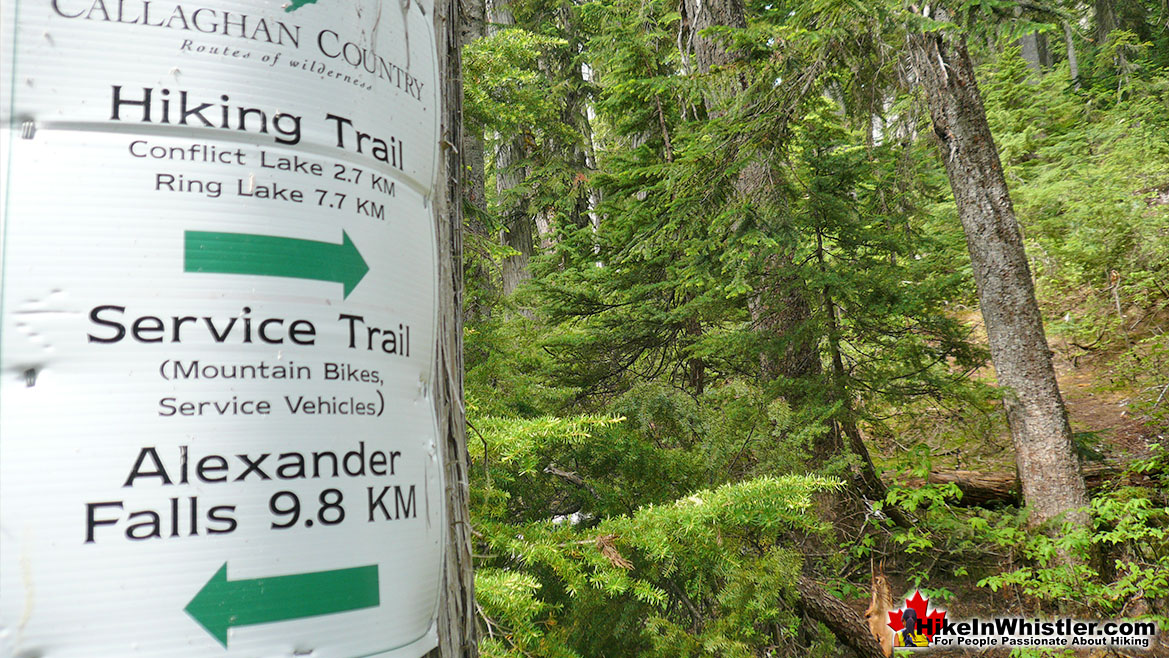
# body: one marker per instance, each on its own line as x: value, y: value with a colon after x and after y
x: 1049, y: 471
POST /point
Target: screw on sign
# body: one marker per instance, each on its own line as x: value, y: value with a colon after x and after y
x: 218, y: 294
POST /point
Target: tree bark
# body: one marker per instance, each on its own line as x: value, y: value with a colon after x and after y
x: 473, y: 26
x: 517, y: 226
x: 711, y: 53
x: 456, y: 613
x: 1049, y: 471
x: 509, y: 175
x: 1073, y: 61
x: 569, y: 71
x: 1106, y: 20
x: 1034, y: 51
x: 1033, y: 48
x: 781, y: 306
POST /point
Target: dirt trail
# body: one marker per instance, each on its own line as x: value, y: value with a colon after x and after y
x: 1106, y: 412
x: 1092, y: 406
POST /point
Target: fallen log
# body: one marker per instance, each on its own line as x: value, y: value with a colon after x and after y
x: 844, y: 622
x: 986, y: 489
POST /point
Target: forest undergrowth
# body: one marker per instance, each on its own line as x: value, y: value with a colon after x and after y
x: 725, y: 357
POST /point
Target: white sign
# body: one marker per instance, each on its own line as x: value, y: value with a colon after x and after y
x: 218, y: 298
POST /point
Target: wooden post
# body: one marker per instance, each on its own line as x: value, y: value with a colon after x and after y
x: 456, y: 614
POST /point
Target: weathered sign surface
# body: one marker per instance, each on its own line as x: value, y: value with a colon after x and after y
x: 218, y: 293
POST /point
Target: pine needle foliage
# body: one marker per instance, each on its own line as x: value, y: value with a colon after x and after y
x: 646, y: 481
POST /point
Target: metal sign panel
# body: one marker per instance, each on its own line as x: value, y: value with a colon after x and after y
x: 218, y: 303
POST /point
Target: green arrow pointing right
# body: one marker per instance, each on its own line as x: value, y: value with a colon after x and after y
x: 269, y: 255
x: 223, y: 603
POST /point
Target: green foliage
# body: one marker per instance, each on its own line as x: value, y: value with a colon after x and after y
x: 650, y: 473
x: 1145, y: 367
x: 506, y: 92
x: 1130, y: 533
x: 1041, y: 653
x: 1085, y: 180
x: 513, y: 615
x: 708, y: 574
x: 943, y: 546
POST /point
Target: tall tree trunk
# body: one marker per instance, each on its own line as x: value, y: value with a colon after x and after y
x: 711, y: 53
x: 569, y: 71
x: 1048, y: 468
x: 517, y: 225
x: 509, y: 175
x: 708, y: 54
x: 456, y: 612
x: 1034, y: 51
x: 1073, y: 61
x: 695, y: 365
x: 1106, y: 20
x: 591, y: 161
x: 473, y: 26
x: 784, y: 307
x: 1033, y: 48
x: 780, y: 307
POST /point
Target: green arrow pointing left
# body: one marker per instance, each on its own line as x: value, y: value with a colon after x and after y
x: 223, y: 603
x: 269, y: 255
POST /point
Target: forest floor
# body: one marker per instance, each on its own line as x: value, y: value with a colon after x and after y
x: 1093, y: 408
x: 1098, y: 404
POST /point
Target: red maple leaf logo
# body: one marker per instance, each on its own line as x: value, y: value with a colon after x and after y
x: 931, y: 618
